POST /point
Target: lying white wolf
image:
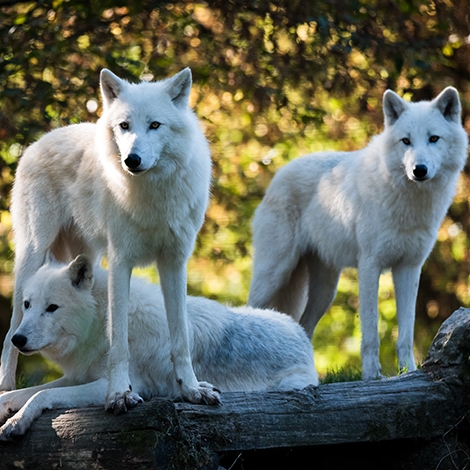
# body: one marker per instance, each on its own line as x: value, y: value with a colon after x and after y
x: 136, y: 186
x: 64, y: 317
x: 374, y: 209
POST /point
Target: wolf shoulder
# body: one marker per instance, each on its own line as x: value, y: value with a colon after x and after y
x: 59, y: 150
x: 304, y: 176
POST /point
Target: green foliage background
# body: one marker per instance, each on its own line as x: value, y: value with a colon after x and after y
x: 272, y: 81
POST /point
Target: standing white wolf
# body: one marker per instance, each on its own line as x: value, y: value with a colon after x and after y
x: 374, y: 209
x: 135, y: 186
x: 64, y: 318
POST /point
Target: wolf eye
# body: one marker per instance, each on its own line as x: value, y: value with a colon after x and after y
x: 434, y: 138
x: 52, y: 308
x: 406, y: 141
x: 155, y: 125
x: 124, y: 125
x: 26, y: 304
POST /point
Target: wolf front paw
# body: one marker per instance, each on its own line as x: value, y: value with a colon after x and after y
x: 373, y: 376
x: 13, y: 427
x: 121, y: 402
x: 371, y: 369
x: 5, y: 413
x: 205, y: 393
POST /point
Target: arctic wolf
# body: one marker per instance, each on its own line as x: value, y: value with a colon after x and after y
x: 64, y: 317
x: 135, y: 186
x: 375, y: 209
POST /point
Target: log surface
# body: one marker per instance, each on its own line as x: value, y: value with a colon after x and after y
x: 411, y: 406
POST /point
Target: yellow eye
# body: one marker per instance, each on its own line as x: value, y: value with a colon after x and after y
x: 155, y: 125
x: 124, y: 125
x: 406, y: 141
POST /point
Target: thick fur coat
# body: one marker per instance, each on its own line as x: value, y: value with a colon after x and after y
x: 134, y: 186
x: 65, y: 316
x: 374, y: 209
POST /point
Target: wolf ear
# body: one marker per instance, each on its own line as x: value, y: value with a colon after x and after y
x: 448, y: 103
x: 393, y: 106
x: 179, y: 87
x: 81, y: 272
x: 111, y: 86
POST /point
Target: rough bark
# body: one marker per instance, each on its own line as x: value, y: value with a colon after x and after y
x: 418, y: 407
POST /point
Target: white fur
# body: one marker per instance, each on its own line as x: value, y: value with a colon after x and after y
x: 65, y: 316
x: 373, y: 209
x: 75, y: 192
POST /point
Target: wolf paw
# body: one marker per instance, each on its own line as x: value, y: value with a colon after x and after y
x: 10, y: 429
x: 121, y: 402
x: 377, y: 376
x: 5, y: 412
x: 205, y: 394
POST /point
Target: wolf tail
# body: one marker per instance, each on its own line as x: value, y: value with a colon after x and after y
x: 284, y: 290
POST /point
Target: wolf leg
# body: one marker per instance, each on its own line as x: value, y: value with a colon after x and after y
x: 12, y: 401
x: 64, y: 397
x: 406, y: 281
x: 323, y: 282
x: 120, y: 396
x: 173, y: 283
x: 369, y: 274
x: 36, y: 225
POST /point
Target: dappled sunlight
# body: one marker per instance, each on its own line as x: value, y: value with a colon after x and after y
x: 269, y: 84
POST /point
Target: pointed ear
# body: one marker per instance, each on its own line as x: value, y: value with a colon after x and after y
x: 393, y: 106
x: 111, y: 86
x: 448, y: 103
x: 81, y: 272
x: 179, y: 87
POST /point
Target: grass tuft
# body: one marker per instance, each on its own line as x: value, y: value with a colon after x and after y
x: 343, y: 374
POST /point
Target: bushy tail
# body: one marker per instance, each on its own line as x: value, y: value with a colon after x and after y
x: 286, y: 293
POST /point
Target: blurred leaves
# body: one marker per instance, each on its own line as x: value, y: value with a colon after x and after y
x: 272, y: 81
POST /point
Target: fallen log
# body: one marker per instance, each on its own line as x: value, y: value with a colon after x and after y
x: 418, y: 408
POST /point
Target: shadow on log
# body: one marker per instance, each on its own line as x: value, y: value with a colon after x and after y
x: 417, y: 420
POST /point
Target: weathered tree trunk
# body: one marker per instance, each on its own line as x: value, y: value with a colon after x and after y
x: 419, y: 410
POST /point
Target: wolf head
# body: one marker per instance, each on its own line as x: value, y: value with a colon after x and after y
x: 57, y: 309
x: 147, y: 120
x: 426, y: 136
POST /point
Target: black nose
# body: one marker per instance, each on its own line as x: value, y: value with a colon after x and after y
x: 132, y: 161
x: 420, y: 172
x: 19, y: 341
